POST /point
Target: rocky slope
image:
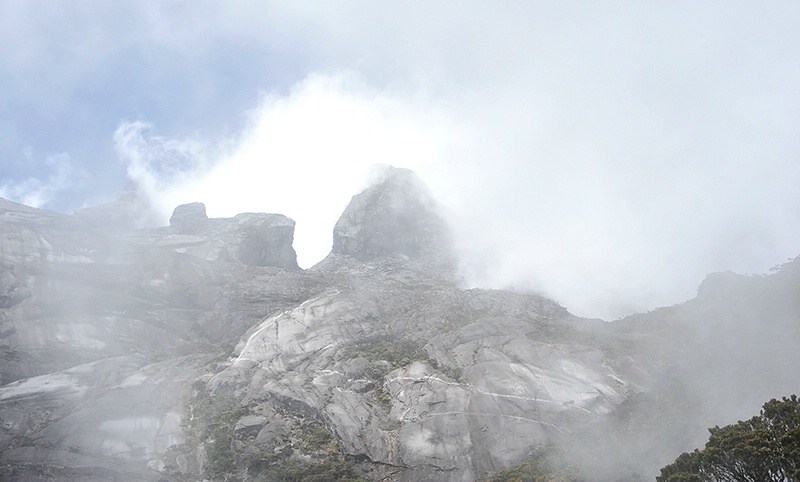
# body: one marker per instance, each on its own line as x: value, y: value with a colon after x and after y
x: 201, y: 351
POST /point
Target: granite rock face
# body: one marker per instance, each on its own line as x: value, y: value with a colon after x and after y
x: 188, y: 218
x: 254, y: 239
x: 200, y: 351
x: 104, y: 328
x: 484, y: 379
x: 394, y: 217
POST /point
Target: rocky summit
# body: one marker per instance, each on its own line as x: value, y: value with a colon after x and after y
x: 200, y: 351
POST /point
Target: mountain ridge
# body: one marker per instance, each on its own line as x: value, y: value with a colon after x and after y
x: 174, y: 353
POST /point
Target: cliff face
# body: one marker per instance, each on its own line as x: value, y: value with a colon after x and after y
x: 200, y: 350
x: 427, y: 380
x: 394, y: 218
x: 104, y: 329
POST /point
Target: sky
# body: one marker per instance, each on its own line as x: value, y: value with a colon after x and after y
x: 606, y: 154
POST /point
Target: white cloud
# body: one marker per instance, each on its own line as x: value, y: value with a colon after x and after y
x: 603, y: 232
x: 42, y: 192
x: 303, y: 155
x: 157, y: 163
x: 608, y: 155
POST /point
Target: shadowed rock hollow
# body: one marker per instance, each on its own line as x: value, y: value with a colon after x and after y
x: 200, y: 350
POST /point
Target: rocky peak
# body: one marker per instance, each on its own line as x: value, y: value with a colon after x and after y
x: 115, y: 358
x: 397, y: 216
x: 129, y: 211
x: 188, y: 218
x: 255, y: 239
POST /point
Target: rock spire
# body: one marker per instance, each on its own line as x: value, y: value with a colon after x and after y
x: 396, y: 217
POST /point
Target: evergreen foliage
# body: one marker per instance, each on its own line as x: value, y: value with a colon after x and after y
x: 544, y: 466
x: 309, y: 452
x: 765, y: 448
x: 398, y: 352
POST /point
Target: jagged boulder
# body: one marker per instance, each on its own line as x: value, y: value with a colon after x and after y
x: 254, y: 239
x: 263, y: 240
x: 395, y: 217
x: 188, y: 218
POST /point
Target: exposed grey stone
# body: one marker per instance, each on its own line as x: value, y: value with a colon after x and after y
x: 265, y: 240
x: 12, y: 291
x: 188, y: 218
x: 275, y: 428
x: 113, y: 340
x: 355, y: 368
x: 254, y: 239
x: 249, y: 425
x: 395, y: 217
x: 7, y: 328
x: 130, y: 210
x: 380, y: 368
x: 362, y: 386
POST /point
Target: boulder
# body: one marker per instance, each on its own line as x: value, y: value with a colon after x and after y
x: 396, y: 217
x: 249, y: 425
x: 263, y: 240
x: 188, y: 218
x: 253, y: 239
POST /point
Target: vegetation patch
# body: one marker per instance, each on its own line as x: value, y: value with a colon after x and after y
x: 390, y: 426
x: 305, y: 451
x: 329, y: 470
x: 398, y: 352
x: 310, y: 453
x: 382, y: 398
x: 211, y: 422
x: 765, y: 448
x: 314, y: 437
x: 449, y: 371
x: 544, y: 466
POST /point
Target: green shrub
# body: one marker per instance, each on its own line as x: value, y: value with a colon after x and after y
x: 765, y: 448
x: 398, y: 353
x: 330, y: 470
x: 382, y: 398
x: 210, y: 421
x: 544, y: 466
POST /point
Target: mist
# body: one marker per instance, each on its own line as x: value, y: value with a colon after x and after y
x: 608, y: 157
x: 38, y: 192
x: 303, y: 155
x: 606, y: 227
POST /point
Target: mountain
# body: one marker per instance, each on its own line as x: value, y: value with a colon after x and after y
x: 200, y: 350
